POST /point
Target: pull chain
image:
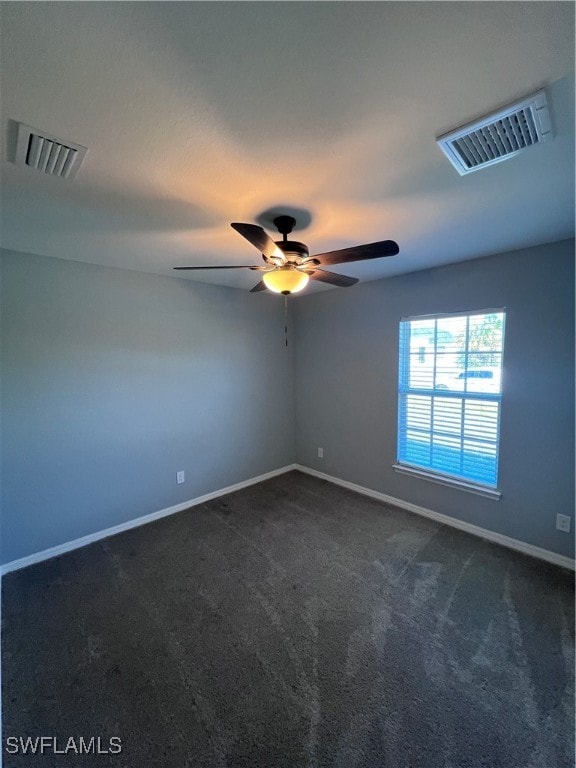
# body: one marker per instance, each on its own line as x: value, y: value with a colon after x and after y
x: 286, y: 319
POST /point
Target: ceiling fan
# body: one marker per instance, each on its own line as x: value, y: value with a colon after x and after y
x: 288, y: 265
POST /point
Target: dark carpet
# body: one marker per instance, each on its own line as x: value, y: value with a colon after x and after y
x: 290, y: 624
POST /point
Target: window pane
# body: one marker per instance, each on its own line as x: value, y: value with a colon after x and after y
x: 447, y: 415
x: 481, y: 419
x: 422, y: 328
x: 414, y: 438
x: 446, y: 455
x: 448, y: 372
x: 421, y: 373
x: 452, y: 333
x: 418, y: 412
x: 479, y: 462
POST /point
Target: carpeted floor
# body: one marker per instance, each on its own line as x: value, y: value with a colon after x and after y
x: 292, y: 624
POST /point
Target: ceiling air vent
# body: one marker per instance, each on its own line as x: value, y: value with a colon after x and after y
x: 48, y: 154
x: 498, y: 136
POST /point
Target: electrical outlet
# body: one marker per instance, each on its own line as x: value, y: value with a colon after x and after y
x: 320, y: 453
x: 180, y: 477
x: 563, y: 523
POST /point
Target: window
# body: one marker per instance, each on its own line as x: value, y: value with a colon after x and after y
x: 449, y: 399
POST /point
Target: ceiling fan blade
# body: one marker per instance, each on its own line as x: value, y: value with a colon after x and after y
x: 261, y: 286
x: 258, y: 237
x: 359, y: 253
x: 232, y: 266
x: 342, y: 281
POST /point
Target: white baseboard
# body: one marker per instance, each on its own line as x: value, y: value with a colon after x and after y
x: 484, y: 533
x: 68, y: 546
x: 498, y: 538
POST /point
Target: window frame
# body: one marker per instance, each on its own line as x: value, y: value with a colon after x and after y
x: 433, y: 474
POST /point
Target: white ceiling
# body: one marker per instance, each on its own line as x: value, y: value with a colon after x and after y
x: 199, y: 114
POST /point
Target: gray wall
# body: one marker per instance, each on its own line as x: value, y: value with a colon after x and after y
x: 346, y: 386
x: 111, y: 381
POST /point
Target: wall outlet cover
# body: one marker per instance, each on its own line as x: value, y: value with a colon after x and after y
x: 180, y: 477
x: 563, y: 523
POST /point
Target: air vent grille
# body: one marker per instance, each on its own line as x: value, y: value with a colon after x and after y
x: 48, y: 154
x: 498, y: 136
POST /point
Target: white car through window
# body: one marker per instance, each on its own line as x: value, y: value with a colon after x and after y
x: 472, y: 380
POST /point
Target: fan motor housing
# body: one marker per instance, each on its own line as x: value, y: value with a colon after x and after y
x: 293, y: 250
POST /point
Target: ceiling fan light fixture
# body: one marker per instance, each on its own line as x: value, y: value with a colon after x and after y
x: 286, y: 279
x: 290, y: 271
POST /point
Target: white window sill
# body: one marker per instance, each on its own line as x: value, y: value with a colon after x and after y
x: 452, y: 482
